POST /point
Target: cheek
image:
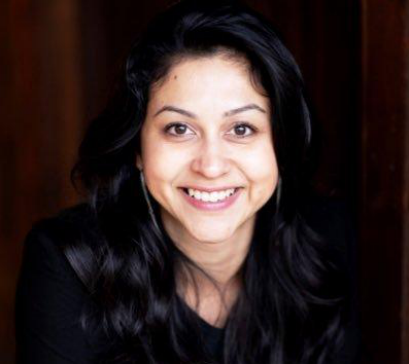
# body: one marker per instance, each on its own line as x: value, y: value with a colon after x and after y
x: 161, y: 166
x: 261, y: 169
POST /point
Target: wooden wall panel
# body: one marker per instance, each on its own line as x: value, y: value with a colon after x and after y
x: 41, y: 122
x: 384, y: 180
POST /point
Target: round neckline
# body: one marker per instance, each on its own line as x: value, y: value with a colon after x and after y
x: 204, y: 323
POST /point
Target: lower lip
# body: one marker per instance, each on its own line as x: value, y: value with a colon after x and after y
x: 212, y: 206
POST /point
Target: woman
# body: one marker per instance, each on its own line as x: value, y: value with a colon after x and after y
x: 196, y: 244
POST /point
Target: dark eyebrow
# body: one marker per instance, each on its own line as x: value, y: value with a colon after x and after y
x: 244, y: 108
x: 226, y: 114
x: 175, y: 109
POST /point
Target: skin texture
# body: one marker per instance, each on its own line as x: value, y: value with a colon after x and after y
x: 209, y: 150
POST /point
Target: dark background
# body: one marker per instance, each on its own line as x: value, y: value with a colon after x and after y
x: 58, y: 63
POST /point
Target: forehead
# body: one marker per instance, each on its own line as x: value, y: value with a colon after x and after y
x: 209, y: 79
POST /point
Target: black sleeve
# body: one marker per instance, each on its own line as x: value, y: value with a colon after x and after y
x: 49, y: 301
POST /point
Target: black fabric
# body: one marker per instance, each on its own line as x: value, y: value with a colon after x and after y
x: 50, y: 297
x: 214, y: 338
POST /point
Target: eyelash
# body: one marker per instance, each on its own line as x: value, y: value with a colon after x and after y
x: 172, y: 125
x: 240, y: 124
x: 246, y: 125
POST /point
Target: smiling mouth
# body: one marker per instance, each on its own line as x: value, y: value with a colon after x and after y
x: 210, y: 197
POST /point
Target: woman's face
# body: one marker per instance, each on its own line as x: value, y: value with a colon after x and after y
x: 207, y: 134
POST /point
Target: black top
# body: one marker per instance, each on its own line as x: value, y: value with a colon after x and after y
x: 50, y: 296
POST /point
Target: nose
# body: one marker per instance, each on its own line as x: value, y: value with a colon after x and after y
x: 211, y: 161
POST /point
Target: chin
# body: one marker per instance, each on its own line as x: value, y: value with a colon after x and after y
x: 213, y: 238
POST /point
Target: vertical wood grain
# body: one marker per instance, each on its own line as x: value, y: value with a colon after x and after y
x: 384, y: 182
x: 41, y: 124
x: 405, y: 205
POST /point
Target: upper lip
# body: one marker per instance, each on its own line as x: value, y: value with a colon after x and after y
x: 211, y: 189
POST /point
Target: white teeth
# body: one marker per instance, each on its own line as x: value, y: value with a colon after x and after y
x: 212, y: 196
x: 215, y: 196
x: 205, y: 196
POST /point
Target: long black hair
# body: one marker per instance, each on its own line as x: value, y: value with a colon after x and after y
x: 291, y: 306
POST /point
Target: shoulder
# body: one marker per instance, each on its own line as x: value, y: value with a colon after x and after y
x: 72, y: 222
x: 50, y: 297
x: 46, y: 243
x: 46, y: 240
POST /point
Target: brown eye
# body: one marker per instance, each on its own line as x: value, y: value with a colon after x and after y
x: 180, y: 129
x: 176, y: 129
x: 243, y: 130
x: 240, y: 130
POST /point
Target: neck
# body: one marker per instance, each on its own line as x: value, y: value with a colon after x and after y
x: 221, y: 260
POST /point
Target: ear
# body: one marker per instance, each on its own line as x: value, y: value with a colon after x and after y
x: 139, y: 162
